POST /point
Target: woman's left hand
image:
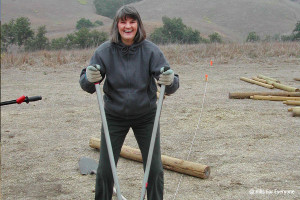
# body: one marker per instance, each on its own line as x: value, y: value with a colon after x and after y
x: 166, y: 78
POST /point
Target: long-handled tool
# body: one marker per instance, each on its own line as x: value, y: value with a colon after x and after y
x: 107, y: 139
x: 21, y: 100
x: 153, y: 137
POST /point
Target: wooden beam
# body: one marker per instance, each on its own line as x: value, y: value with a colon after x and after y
x: 274, y: 98
x: 174, y: 164
x: 246, y: 95
x: 257, y: 82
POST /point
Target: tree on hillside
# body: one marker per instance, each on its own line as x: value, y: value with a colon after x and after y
x: 22, y: 30
x: 15, y: 32
x: 296, y: 32
x: 39, y: 41
x: 175, y: 31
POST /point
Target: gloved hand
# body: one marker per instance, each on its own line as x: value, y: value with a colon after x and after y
x: 166, y: 78
x: 93, y: 73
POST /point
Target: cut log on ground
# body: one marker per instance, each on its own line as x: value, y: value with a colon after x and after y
x: 174, y: 164
x: 297, y: 79
x: 257, y: 82
x: 292, y: 102
x: 284, y: 87
x: 246, y: 95
x: 274, y: 98
x: 268, y: 78
x: 291, y: 109
x: 296, y: 112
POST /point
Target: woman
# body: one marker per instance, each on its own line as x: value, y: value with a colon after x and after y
x: 130, y: 64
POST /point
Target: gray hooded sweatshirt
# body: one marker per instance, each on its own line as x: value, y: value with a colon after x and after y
x: 130, y: 73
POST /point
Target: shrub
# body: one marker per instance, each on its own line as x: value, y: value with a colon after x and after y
x: 252, y: 37
x: 84, y: 23
x: 108, y: 8
x: 174, y: 31
x: 215, y: 38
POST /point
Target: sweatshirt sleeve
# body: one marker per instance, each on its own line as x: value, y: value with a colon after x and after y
x: 85, y: 84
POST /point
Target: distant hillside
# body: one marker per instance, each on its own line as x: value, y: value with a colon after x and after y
x: 233, y: 19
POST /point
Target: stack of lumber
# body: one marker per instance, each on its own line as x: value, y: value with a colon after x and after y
x: 289, y: 96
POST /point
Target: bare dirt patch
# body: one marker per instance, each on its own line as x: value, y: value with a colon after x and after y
x: 248, y: 144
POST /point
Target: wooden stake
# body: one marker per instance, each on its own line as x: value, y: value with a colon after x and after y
x: 291, y: 102
x: 256, y: 82
x: 246, y: 95
x: 268, y: 78
x: 174, y: 164
x: 274, y: 98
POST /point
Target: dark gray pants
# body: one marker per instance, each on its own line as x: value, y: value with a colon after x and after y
x: 118, y: 129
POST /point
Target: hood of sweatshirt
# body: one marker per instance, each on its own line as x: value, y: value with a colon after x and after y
x: 125, y: 49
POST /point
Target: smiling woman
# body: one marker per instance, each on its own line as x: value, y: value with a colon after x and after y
x: 130, y: 65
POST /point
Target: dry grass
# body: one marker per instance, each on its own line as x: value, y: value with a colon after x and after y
x: 176, y: 54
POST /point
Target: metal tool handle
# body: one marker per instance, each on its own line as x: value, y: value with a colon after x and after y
x: 153, y: 137
x: 108, y: 142
x: 22, y: 99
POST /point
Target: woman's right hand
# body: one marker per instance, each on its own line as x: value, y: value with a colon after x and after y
x: 93, y: 74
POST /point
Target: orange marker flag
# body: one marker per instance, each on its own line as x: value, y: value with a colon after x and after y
x: 211, y: 62
x: 206, y: 76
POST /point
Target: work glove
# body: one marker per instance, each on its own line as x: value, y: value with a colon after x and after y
x: 93, y: 73
x: 166, y: 78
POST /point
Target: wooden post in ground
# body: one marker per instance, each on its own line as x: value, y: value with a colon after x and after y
x: 174, y: 164
x: 246, y: 95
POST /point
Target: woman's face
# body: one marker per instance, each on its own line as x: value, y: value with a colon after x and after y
x: 127, y: 28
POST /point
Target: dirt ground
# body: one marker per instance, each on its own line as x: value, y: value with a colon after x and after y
x: 251, y: 146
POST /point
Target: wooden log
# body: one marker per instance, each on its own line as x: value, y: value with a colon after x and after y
x: 246, y: 95
x: 257, y: 82
x: 297, y: 79
x: 268, y: 78
x: 170, y: 163
x: 285, y: 87
x: 296, y: 112
x: 274, y: 98
x: 292, y: 102
x: 291, y: 109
